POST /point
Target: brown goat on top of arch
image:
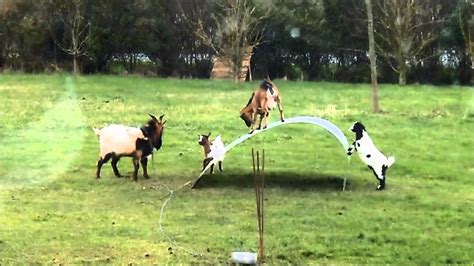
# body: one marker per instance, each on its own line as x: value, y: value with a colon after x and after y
x: 264, y: 99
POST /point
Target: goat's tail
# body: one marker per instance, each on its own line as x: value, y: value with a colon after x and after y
x: 97, y: 131
x: 390, y: 161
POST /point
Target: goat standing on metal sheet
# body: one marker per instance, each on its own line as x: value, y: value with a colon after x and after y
x: 260, y: 103
x: 118, y: 141
x: 369, y: 154
x: 212, y: 150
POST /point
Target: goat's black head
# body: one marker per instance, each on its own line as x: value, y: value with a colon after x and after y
x: 154, y: 130
x: 357, y: 127
x: 247, y: 117
x: 203, y: 139
x: 246, y: 112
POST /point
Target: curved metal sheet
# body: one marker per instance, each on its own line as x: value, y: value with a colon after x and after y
x: 317, y: 121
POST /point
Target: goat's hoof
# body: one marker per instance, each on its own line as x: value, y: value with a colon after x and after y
x: 146, y: 176
x: 251, y: 131
x: 265, y: 127
x: 379, y: 187
x: 283, y: 120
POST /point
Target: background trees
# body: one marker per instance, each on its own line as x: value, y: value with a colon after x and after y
x: 406, y: 28
x: 417, y: 41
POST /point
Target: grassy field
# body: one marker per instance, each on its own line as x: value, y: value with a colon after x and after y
x: 53, y: 210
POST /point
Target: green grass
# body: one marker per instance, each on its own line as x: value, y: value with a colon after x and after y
x: 53, y: 210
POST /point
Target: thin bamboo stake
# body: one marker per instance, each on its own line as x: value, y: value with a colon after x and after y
x: 253, y: 161
x: 259, y: 195
x: 262, y: 180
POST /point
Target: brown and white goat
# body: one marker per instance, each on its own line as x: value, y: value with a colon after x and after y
x: 118, y: 141
x: 212, y: 150
x: 265, y: 98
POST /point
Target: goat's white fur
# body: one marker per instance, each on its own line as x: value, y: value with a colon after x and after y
x: 217, y: 149
x: 271, y: 102
x: 377, y: 158
x: 118, y: 139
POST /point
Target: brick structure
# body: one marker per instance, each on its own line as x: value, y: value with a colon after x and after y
x: 222, y: 68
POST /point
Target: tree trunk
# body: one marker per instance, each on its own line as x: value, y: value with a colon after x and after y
x: 402, y: 75
x: 472, y: 70
x: 373, y: 59
x: 236, y: 78
x: 75, y: 65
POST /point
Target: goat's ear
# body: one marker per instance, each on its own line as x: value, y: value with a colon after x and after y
x: 153, y: 117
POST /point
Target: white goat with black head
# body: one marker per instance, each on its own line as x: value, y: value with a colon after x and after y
x: 212, y: 150
x: 369, y: 154
x: 118, y: 141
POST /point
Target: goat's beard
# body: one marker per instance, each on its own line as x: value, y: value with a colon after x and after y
x: 246, y: 117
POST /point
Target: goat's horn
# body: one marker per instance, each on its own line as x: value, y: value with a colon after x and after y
x: 161, y: 117
x: 153, y: 117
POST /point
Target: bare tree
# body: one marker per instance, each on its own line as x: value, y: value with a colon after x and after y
x: 230, y: 33
x: 71, y: 14
x: 404, y: 29
x: 466, y: 24
x: 373, y: 58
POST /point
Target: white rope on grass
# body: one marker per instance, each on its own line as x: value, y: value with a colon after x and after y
x: 162, y: 210
x: 171, y: 242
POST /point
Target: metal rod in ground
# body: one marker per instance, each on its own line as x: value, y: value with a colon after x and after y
x: 258, y: 164
x: 262, y: 198
x: 253, y: 161
x: 259, y: 184
x: 256, y: 187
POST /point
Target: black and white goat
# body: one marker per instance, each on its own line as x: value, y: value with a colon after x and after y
x: 369, y: 154
x: 212, y: 149
x: 118, y: 141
